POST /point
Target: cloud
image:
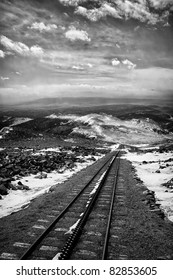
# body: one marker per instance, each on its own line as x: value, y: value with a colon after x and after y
x: 2, y: 54
x: 139, y: 9
x: 77, y: 67
x: 126, y: 62
x: 73, y: 3
x: 129, y: 64
x: 36, y: 51
x: 4, y: 78
x: 96, y: 14
x: 17, y: 47
x: 161, y: 3
x: 115, y: 62
x: 74, y: 34
x: 42, y: 27
x: 20, y: 48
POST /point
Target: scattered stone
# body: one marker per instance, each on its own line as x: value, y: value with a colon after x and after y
x: 3, y: 190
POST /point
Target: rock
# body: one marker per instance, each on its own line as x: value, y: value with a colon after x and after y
x: 162, y: 167
x: 26, y: 188
x: 0, y: 197
x: 38, y: 176
x: 13, y: 187
x: 44, y: 175
x: 3, y: 190
x: 19, y: 187
x: 9, y: 186
x: 52, y: 189
x: 157, y: 171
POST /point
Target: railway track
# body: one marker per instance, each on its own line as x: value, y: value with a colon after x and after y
x: 85, y: 228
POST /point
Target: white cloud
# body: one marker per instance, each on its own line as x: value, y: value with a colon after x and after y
x: 129, y: 64
x: 42, y: 27
x: 89, y: 65
x: 2, y: 54
x: 20, y: 48
x: 17, y: 47
x: 160, y: 3
x: 77, y: 67
x: 96, y: 14
x: 109, y: 10
x: 4, y: 78
x: 126, y: 9
x: 72, y: 2
x: 74, y: 34
x: 36, y: 51
x: 115, y: 62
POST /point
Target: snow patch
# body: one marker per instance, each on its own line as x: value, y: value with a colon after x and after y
x: 147, y: 166
x: 52, y: 116
x: 17, y: 199
x: 18, y: 121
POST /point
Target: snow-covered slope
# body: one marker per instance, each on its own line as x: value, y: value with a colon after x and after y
x: 13, y: 122
x: 112, y: 129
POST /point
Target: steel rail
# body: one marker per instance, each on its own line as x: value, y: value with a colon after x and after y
x: 34, y: 245
x: 106, y: 240
x: 73, y: 239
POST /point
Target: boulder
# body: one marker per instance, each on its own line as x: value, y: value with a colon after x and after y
x: 44, y: 175
x: 3, y: 190
x: 38, y: 176
x: 13, y: 187
x: 9, y: 185
x: 26, y: 188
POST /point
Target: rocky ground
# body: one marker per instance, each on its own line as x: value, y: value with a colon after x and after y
x: 22, y: 161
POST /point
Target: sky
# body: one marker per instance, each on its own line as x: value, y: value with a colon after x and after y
x: 74, y: 48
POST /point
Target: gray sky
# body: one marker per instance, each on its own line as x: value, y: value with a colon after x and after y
x: 85, y: 48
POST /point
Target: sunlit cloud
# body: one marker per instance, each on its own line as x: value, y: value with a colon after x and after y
x: 40, y: 26
x: 21, y: 48
x: 129, y: 64
x: 72, y: 2
x: 115, y: 62
x: 161, y: 3
x: 126, y: 9
x: 74, y: 34
x: 2, y: 54
x: 4, y: 78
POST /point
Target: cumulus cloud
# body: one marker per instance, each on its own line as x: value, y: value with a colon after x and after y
x: 129, y: 64
x: 77, y: 67
x: 72, y: 2
x: 95, y: 14
x: 2, y: 54
x: 36, y: 51
x: 4, y: 78
x: 161, y: 3
x: 74, y: 34
x: 42, y: 27
x: 20, y: 48
x: 139, y: 9
x: 115, y: 62
x: 17, y: 47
